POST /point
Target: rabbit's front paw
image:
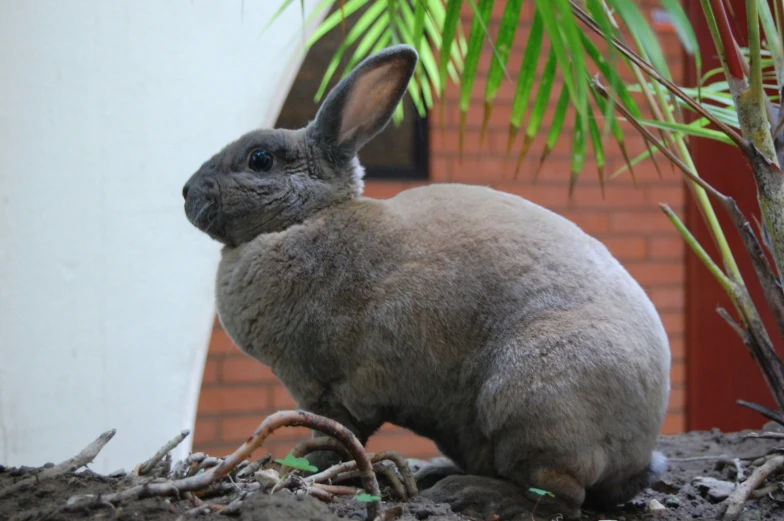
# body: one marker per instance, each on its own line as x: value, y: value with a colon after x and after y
x: 486, y: 498
x: 434, y: 471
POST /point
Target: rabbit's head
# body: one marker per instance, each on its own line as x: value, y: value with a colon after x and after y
x: 270, y: 179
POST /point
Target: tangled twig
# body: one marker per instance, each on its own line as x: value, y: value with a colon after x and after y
x: 207, y: 480
x: 348, y: 470
x: 742, y: 492
x: 305, y: 447
x: 87, y: 455
x: 251, y: 469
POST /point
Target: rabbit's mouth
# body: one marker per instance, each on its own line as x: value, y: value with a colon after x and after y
x: 205, y: 216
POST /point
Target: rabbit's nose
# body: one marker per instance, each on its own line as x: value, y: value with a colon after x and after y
x: 185, y: 192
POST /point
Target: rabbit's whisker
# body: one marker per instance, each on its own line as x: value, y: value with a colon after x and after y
x: 212, y: 221
x: 203, y: 209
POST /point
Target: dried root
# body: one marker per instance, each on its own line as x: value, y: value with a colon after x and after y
x: 233, y: 478
x: 745, y: 490
x: 87, y: 455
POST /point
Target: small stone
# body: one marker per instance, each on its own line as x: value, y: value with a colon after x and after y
x: 716, y: 490
x: 654, y: 507
x: 672, y: 502
x: 267, y: 478
x: 751, y: 515
x: 666, y: 486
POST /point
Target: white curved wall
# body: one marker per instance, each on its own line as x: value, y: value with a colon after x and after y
x: 106, y: 300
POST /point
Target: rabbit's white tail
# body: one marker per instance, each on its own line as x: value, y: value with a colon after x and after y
x: 657, y: 467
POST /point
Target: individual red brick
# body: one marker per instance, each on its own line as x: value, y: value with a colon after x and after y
x: 677, y: 373
x: 668, y: 298
x: 625, y: 248
x: 641, y: 222
x: 672, y: 247
x: 407, y: 445
x: 479, y: 169
x: 244, y: 369
x: 387, y: 189
x: 591, y: 222
x: 674, y: 322
x: 646, y: 175
x: 614, y: 197
x: 221, y: 344
x: 677, y: 347
x: 677, y: 401
x: 674, y: 195
x: 205, y: 431
x: 281, y: 399
x: 551, y: 196
x: 211, y: 371
x: 238, y: 428
x: 648, y: 273
x: 440, y: 168
x: 280, y: 449
x: 449, y: 141
x: 245, y: 398
x: 674, y: 423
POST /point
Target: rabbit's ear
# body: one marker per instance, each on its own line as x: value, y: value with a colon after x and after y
x: 362, y: 103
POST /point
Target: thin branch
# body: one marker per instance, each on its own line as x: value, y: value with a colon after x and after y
x: 85, y: 456
x: 305, y: 447
x: 744, y: 336
x: 380, y: 470
x: 765, y: 435
x: 742, y: 491
x: 721, y: 458
x: 251, y: 469
x: 348, y: 466
x: 336, y: 490
x: 402, y: 467
x: 770, y: 414
x: 698, y: 250
x: 148, y: 465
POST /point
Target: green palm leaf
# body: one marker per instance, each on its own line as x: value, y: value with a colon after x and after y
x: 475, y: 43
x: 503, y: 44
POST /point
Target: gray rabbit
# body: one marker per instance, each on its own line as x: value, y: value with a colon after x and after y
x: 478, y: 319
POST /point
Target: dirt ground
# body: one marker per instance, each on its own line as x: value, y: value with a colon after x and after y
x: 46, y: 499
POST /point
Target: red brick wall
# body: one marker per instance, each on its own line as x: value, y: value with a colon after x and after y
x: 238, y: 392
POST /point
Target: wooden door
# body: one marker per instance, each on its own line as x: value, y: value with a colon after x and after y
x: 720, y: 370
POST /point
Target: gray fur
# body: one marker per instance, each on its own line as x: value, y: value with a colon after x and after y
x: 473, y: 317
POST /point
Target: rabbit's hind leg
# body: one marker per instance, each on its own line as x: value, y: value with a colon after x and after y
x: 542, y: 481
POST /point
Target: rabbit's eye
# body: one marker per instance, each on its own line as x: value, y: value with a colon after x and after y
x: 260, y: 161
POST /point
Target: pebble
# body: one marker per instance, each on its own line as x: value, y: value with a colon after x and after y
x: 655, y: 507
x: 715, y: 489
x: 267, y: 478
x: 751, y: 515
x: 672, y: 502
